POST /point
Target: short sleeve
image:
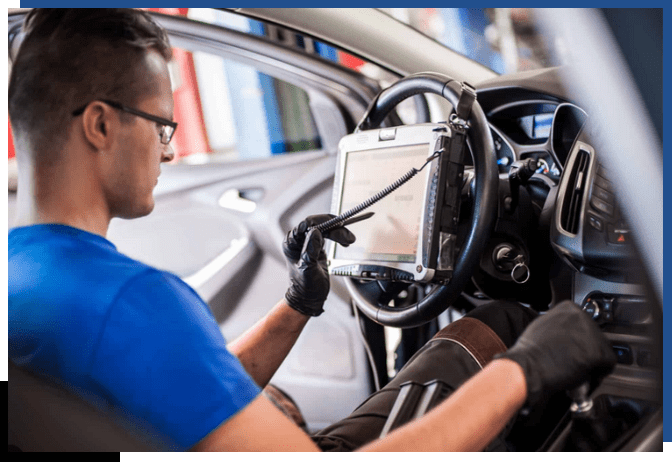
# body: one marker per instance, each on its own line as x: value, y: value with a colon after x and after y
x: 162, y: 358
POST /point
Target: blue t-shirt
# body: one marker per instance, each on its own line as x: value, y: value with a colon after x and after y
x: 138, y: 339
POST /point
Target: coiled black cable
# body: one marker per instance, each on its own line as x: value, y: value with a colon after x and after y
x: 338, y: 221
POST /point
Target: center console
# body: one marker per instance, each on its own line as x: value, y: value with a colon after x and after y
x: 592, y: 237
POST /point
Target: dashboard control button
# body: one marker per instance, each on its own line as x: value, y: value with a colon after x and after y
x: 601, y: 171
x: 601, y: 206
x: 603, y: 194
x: 602, y: 182
x: 623, y: 354
x: 592, y: 308
x: 607, y: 304
x: 617, y: 235
x: 622, y: 224
x: 646, y: 358
x: 595, y: 222
x: 498, y: 143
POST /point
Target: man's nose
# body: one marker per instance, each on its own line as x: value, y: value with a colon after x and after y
x: 168, y: 153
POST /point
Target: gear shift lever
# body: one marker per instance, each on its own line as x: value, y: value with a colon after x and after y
x: 582, y: 404
x: 591, y: 425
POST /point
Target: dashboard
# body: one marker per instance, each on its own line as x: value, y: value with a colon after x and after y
x: 577, y: 239
x: 571, y: 192
x: 531, y: 117
x: 539, y: 130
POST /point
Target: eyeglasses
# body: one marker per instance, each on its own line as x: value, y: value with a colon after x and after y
x: 168, y: 127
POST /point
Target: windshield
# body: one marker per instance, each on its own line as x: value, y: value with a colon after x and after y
x: 502, y: 39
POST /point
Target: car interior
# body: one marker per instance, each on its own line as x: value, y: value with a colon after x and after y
x: 518, y: 202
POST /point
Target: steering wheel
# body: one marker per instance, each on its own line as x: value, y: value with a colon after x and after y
x: 371, y: 297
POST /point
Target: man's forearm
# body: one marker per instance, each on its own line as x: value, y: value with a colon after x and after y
x: 265, y: 345
x: 469, y: 419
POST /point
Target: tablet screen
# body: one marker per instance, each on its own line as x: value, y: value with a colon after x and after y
x: 392, y: 233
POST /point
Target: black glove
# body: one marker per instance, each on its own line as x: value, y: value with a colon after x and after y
x: 307, y: 263
x: 560, y: 350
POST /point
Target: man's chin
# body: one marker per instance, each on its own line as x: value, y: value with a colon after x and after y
x: 137, y: 212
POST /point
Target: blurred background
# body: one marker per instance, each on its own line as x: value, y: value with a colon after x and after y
x: 228, y: 111
x: 221, y: 105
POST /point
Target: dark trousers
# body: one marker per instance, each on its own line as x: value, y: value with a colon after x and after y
x: 453, y: 355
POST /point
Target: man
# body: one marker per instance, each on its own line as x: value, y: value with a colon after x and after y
x: 91, y: 109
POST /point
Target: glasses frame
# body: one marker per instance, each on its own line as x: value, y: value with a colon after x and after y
x: 136, y: 112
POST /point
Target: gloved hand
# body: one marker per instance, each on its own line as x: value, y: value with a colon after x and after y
x: 559, y: 351
x: 307, y: 263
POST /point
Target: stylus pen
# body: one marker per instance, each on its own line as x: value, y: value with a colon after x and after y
x: 357, y: 219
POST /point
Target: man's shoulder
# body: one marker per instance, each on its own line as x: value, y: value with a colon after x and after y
x: 53, y: 264
x: 40, y: 254
x: 64, y: 288
x: 156, y: 284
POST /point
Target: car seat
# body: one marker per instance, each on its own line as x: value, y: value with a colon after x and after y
x: 43, y: 416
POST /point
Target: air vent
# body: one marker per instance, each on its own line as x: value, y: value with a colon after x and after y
x: 576, y: 188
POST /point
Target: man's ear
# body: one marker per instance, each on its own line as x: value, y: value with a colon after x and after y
x: 99, y: 124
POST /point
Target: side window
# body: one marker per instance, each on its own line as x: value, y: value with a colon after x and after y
x: 228, y: 111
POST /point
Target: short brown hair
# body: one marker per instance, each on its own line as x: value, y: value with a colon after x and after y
x: 70, y: 57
